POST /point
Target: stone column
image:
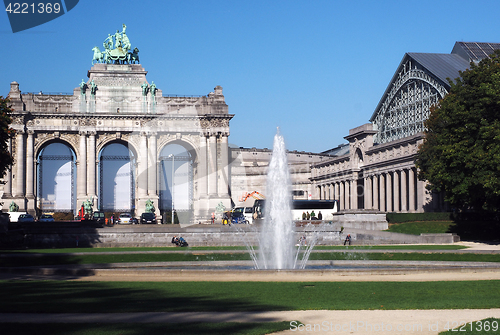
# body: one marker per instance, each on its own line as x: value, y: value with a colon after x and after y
x: 376, y: 192
x: 342, y: 195
x: 396, y: 194
x: 212, y: 165
x: 423, y: 196
x: 91, y: 182
x: 347, y: 192
x: 143, y: 169
x: 19, y: 190
x: 202, y: 167
x: 411, y: 190
x: 152, y: 164
x: 382, y: 192
x: 403, y: 191
x: 337, y: 192
x: 223, y: 182
x: 81, y: 185
x: 354, y: 194
x: 368, y: 193
x: 30, y: 171
x: 389, y: 191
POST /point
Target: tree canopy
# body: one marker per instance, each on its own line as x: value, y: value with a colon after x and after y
x: 5, y: 133
x: 461, y: 150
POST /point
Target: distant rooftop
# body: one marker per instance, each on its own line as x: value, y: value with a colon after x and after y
x: 474, y: 51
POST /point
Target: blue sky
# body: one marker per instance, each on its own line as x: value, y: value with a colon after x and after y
x: 314, y: 68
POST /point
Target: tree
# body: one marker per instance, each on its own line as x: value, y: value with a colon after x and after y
x: 5, y: 133
x: 460, y: 154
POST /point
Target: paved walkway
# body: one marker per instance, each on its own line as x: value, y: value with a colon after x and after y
x: 409, y: 322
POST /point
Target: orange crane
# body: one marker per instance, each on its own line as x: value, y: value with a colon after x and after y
x: 254, y: 194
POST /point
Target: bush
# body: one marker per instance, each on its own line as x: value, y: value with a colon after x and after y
x: 63, y: 216
x: 413, y: 217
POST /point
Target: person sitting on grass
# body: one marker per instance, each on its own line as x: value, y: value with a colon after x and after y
x: 175, y: 240
x: 348, y: 239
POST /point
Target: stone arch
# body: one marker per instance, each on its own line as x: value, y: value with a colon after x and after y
x: 56, y: 176
x: 39, y: 146
x: 117, y: 175
x: 113, y: 139
x: 185, y: 141
x: 358, y: 158
x: 176, y: 190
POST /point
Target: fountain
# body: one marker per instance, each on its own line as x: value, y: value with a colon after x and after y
x: 277, y: 236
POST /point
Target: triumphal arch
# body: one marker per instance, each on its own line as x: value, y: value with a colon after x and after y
x: 119, y: 143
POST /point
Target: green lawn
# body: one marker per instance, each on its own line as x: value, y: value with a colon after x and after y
x: 422, y: 227
x: 59, y: 259
x: 105, y: 297
x: 148, y: 328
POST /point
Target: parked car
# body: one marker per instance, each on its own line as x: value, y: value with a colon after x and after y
x: 125, y: 218
x: 148, y: 218
x: 99, y: 217
x: 238, y: 217
x: 247, y: 212
x: 46, y: 218
x: 26, y: 218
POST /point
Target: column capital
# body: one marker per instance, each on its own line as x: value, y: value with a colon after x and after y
x: 82, y: 132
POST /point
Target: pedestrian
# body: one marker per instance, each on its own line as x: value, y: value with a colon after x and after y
x: 348, y: 239
x: 213, y: 217
x: 308, y: 216
x: 320, y: 216
x: 304, y: 215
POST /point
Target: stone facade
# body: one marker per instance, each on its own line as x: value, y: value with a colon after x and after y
x: 376, y: 169
x: 113, y: 107
x: 248, y: 171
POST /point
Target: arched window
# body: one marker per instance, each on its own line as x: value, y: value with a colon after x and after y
x: 56, y: 178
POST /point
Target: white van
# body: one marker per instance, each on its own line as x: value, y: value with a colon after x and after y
x: 14, y: 216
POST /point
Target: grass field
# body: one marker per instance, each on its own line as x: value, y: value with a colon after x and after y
x: 422, y: 227
x: 140, y: 329
x: 115, y: 297
x: 124, y: 257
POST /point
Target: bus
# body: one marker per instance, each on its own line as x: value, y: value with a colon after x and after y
x: 326, y: 207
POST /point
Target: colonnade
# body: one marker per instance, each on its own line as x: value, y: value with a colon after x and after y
x: 212, y: 171
x: 389, y: 191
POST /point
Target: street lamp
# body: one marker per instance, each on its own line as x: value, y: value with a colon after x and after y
x: 173, y: 169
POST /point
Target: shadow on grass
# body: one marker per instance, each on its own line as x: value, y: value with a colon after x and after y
x: 123, y: 297
x: 139, y: 329
x: 477, y: 227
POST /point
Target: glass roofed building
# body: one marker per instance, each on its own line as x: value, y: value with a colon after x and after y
x: 377, y: 171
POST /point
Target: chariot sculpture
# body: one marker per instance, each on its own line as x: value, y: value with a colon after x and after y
x: 116, y: 50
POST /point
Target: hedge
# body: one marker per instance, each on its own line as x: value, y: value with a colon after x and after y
x: 410, y: 217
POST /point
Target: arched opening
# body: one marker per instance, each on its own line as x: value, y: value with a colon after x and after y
x: 176, y: 183
x: 358, y: 157
x: 56, y: 178
x: 116, y: 178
